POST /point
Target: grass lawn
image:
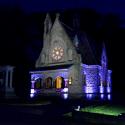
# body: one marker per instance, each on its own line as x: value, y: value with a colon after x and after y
x: 105, y: 109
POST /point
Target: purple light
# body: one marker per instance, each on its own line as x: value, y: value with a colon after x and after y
x: 108, y: 89
x: 89, y: 96
x: 65, y: 95
x: 88, y: 89
x: 102, y: 96
x: 109, y: 96
x: 34, y: 77
x: 32, y: 84
x: 32, y: 95
x: 91, y: 78
x: 101, y: 89
x: 65, y: 90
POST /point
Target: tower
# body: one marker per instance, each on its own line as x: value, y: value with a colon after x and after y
x: 47, y: 26
x: 104, y: 57
x: 76, y: 22
x: 104, y: 66
x: 76, y: 41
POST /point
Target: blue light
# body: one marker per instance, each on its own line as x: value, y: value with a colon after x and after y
x: 88, y: 89
x: 35, y: 76
x: 89, y: 96
x: 101, y: 89
x: 109, y: 96
x: 102, y: 96
x: 32, y: 95
x: 108, y: 89
x: 65, y: 95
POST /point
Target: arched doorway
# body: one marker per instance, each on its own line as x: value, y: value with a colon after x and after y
x: 38, y: 83
x: 59, y: 82
x: 48, y: 83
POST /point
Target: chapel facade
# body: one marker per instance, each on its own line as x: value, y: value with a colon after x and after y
x: 59, y: 67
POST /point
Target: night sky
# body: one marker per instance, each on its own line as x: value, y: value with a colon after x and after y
x: 21, y: 29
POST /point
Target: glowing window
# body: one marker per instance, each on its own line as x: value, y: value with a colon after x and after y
x: 57, y: 53
x: 38, y: 83
x: 58, y: 82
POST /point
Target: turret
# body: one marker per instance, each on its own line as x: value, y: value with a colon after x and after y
x: 47, y: 26
x: 104, y: 57
x: 104, y: 66
x: 43, y: 57
x: 76, y: 41
x: 76, y: 22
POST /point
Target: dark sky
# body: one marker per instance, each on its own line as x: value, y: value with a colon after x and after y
x: 116, y: 6
x: 103, y: 6
x: 21, y: 24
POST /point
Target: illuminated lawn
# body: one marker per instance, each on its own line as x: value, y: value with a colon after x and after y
x: 105, y: 109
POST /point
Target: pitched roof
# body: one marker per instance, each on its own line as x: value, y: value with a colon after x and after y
x: 84, y: 48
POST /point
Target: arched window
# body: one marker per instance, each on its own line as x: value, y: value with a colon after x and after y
x: 37, y: 84
x: 48, y: 83
x: 59, y: 82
